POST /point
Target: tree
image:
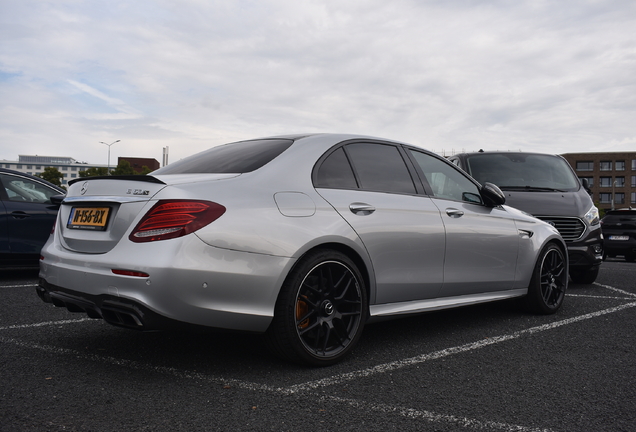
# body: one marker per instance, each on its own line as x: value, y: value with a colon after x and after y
x: 92, y: 172
x: 51, y: 175
x: 145, y: 170
x: 124, y: 168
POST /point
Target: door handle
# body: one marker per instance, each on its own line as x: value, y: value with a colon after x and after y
x: 20, y: 215
x: 454, y: 213
x: 361, y: 208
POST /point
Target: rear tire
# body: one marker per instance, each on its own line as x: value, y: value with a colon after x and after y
x: 630, y: 257
x: 549, y: 282
x: 320, y: 311
x: 585, y: 276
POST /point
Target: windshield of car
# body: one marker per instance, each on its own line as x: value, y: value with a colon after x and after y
x: 239, y: 157
x: 523, y: 171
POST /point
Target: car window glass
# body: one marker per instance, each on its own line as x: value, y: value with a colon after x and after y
x: 445, y: 181
x: 380, y: 167
x: 239, y: 157
x: 335, y: 172
x: 24, y: 190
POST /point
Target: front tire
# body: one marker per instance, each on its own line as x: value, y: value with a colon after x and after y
x: 320, y: 311
x: 585, y: 276
x: 549, y: 282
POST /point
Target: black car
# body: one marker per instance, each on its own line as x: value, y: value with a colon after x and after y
x: 27, y: 215
x: 619, y: 230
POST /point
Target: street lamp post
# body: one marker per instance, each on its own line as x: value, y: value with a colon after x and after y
x: 102, y: 142
x: 613, y: 185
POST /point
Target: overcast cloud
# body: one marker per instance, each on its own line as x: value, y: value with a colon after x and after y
x: 548, y: 76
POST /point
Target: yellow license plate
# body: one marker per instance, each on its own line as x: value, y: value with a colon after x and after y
x: 91, y: 218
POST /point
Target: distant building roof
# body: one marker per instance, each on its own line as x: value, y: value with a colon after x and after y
x: 46, y: 159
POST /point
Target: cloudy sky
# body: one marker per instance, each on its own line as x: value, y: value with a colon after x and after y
x: 549, y: 76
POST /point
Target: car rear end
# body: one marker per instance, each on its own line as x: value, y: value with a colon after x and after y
x: 619, y: 230
x: 126, y: 250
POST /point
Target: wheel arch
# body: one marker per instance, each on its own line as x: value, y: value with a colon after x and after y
x: 558, y: 242
x: 365, y: 269
x: 564, y: 250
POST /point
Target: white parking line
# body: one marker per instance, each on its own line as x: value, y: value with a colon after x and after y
x: 627, y: 293
x: 33, y: 285
x: 433, y: 417
x: 47, y: 323
x: 601, y: 297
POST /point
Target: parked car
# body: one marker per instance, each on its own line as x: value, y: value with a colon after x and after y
x: 27, y: 215
x: 302, y: 238
x: 619, y: 230
x: 545, y: 186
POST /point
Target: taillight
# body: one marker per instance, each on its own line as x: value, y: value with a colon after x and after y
x: 175, y: 218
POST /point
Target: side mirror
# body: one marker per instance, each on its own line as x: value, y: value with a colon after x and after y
x: 586, y: 185
x: 493, y: 196
x: 56, y: 200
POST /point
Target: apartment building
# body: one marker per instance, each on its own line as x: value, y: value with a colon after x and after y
x: 611, y: 176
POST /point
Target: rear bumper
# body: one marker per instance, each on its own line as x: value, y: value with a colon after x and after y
x: 190, y: 284
x: 122, y: 313
x: 620, y: 247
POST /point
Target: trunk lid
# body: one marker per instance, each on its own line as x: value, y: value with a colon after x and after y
x: 98, y: 211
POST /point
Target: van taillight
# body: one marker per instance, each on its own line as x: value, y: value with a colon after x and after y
x: 175, y: 218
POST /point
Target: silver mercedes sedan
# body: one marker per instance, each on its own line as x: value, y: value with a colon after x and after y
x: 304, y: 238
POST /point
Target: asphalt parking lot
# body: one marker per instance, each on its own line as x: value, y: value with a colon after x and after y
x: 488, y: 367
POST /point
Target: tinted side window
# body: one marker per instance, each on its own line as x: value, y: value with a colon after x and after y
x: 445, y: 181
x: 24, y: 190
x: 380, y: 167
x: 240, y: 157
x: 335, y: 172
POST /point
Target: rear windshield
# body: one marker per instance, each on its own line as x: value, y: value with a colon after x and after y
x: 620, y: 216
x: 239, y: 157
x: 523, y: 171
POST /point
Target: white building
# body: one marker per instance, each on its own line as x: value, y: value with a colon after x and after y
x: 33, y: 165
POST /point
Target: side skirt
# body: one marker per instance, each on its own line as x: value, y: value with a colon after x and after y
x: 417, y: 306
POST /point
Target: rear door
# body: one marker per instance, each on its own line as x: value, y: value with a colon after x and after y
x: 400, y: 227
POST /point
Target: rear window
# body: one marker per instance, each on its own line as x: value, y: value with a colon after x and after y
x: 239, y: 157
x: 522, y: 170
x: 620, y: 216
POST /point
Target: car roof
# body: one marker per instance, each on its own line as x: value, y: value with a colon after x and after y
x: 623, y: 211
x: 496, y: 152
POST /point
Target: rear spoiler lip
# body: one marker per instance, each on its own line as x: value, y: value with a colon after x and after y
x: 141, y: 178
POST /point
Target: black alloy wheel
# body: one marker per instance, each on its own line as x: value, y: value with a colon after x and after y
x: 549, y: 281
x: 321, y: 310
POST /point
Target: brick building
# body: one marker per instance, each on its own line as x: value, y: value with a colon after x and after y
x: 611, y: 176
